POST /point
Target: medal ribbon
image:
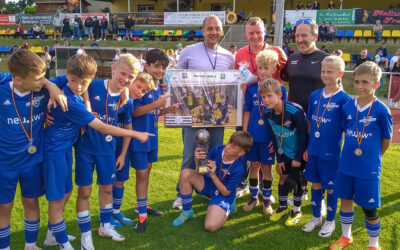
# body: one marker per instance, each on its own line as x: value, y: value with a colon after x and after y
x: 220, y: 170
x: 326, y: 106
x: 29, y: 136
x: 216, y: 55
x: 251, y: 60
x: 359, y: 139
x: 155, y: 110
x: 119, y: 103
x: 283, y: 115
x: 259, y: 109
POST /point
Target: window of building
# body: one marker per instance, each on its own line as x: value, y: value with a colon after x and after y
x: 146, y: 8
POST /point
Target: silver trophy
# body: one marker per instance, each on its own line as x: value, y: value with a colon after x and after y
x: 202, y: 137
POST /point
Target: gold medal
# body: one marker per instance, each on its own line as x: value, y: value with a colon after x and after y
x: 155, y: 124
x: 216, y: 193
x: 260, y: 111
x: 280, y: 151
x: 319, y: 119
x: 358, y: 151
x: 317, y: 134
x: 109, y: 138
x: 280, y: 142
x: 32, y: 149
x: 260, y: 122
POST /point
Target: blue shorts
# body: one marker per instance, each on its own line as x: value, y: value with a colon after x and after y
x: 123, y: 174
x: 104, y: 31
x: 259, y: 152
x: 89, y: 30
x: 30, y: 180
x: 223, y: 202
x: 365, y: 193
x: 141, y: 159
x: 84, y: 167
x: 321, y: 171
x: 58, y: 174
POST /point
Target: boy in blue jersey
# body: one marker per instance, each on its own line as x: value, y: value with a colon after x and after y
x: 254, y: 122
x: 225, y: 170
x: 145, y: 118
x: 95, y: 149
x: 324, y: 118
x: 62, y: 135
x: 142, y: 84
x: 24, y: 95
x: 368, y: 131
x: 287, y: 125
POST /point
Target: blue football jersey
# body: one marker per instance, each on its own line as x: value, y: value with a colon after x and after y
x: 294, y: 134
x: 124, y: 118
x: 92, y: 141
x: 251, y: 104
x: 145, y: 123
x: 230, y: 179
x: 327, y: 143
x: 13, y: 140
x: 378, y: 126
x: 64, y: 132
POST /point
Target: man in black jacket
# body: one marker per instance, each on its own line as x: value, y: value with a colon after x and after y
x: 129, y: 23
x: 96, y: 28
x: 89, y: 22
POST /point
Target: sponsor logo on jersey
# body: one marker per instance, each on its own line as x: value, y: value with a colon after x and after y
x: 294, y: 62
x: 314, y: 62
x: 97, y: 98
x: 287, y: 123
x: 113, y: 105
x: 367, y: 120
x: 36, y: 101
x: 7, y: 102
x: 332, y: 106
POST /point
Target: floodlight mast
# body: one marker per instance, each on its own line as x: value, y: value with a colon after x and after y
x: 279, y: 18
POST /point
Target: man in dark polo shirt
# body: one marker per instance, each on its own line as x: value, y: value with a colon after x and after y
x: 362, y: 58
x: 303, y: 68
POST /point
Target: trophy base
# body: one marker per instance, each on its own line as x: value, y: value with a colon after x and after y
x: 201, y: 169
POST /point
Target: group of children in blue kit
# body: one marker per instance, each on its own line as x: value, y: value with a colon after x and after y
x: 305, y: 147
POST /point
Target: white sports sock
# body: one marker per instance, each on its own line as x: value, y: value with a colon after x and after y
x: 373, y: 241
x: 346, y: 230
x: 83, y: 235
x: 66, y: 245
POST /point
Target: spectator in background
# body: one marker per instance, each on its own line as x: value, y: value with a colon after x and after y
x: 300, y: 6
x: 240, y: 16
x: 172, y: 58
x: 362, y: 58
x: 322, y: 32
x: 117, y: 55
x: 394, y: 99
x: 81, y: 49
x: 36, y: 30
x: 337, y: 52
x: 25, y: 46
x: 394, y: 59
x: 67, y: 43
x: 377, y: 29
x: 331, y: 32
x: 96, y: 28
x: 383, y: 56
x: 129, y: 25
x: 324, y: 49
x: 114, y: 27
x: 287, y: 49
x: 19, y: 31
x: 104, y: 28
x: 331, y: 5
x: 124, y: 51
x: 89, y: 23
x: 179, y: 49
x: 47, y: 60
x: 316, y: 5
x: 42, y: 31
x: 66, y: 31
x: 233, y: 50
x: 309, y: 6
x: 57, y: 23
x: 75, y: 25
x: 141, y: 61
x: 288, y: 32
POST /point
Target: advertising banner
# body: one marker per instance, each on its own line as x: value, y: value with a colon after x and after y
x: 35, y: 18
x: 293, y: 16
x: 337, y: 17
x: 7, y: 19
x: 141, y: 18
x: 364, y: 16
x: 191, y: 18
x: 209, y: 98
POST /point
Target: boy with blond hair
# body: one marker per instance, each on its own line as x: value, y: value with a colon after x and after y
x: 325, y: 118
x: 62, y: 135
x: 368, y: 132
x: 255, y: 123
